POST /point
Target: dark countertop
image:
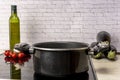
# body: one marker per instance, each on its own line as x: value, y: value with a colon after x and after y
x: 27, y: 71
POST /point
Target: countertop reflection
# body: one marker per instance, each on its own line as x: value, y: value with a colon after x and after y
x: 81, y: 76
x: 27, y: 72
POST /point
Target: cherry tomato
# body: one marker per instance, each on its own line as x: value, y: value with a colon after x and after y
x: 11, y: 53
x: 20, y: 61
x: 7, y: 59
x: 14, y: 55
x: 25, y: 59
x: 14, y: 60
x: 7, y: 53
x: 21, y: 55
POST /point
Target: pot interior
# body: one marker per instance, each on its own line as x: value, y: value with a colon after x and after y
x: 61, y: 45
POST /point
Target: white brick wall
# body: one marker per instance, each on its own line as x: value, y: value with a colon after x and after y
x: 62, y: 20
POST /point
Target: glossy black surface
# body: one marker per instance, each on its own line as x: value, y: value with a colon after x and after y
x: 27, y: 72
x: 60, y: 63
x: 80, y: 76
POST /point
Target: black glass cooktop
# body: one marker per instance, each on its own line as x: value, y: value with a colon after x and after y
x: 27, y: 72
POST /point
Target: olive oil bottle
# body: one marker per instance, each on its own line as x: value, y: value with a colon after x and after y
x: 14, y: 38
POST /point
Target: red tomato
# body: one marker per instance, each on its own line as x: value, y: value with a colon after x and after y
x: 7, y: 53
x: 20, y: 62
x: 7, y: 59
x: 13, y: 60
x: 25, y: 59
x: 14, y: 55
x: 11, y: 53
x: 21, y: 55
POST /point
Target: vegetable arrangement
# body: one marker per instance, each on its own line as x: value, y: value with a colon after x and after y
x: 16, y: 57
x: 103, y: 48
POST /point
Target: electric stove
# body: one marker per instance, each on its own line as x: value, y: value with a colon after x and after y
x: 27, y: 72
x: 88, y: 75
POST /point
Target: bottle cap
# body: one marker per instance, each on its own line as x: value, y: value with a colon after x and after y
x: 13, y: 7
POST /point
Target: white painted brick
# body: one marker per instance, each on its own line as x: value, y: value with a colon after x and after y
x: 89, y: 36
x: 27, y: 2
x: 87, y: 14
x: 75, y: 30
x: 77, y: 26
x: 54, y: 20
x: 63, y: 22
x: 28, y: 6
x: 89, y: 31
x: 60, y: 26
x: 78, y: 35
x: 49, y: 14
x: 88, y: 22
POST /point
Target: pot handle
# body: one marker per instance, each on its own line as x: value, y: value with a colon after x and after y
x: 24, y: 47
x: 90, y: 51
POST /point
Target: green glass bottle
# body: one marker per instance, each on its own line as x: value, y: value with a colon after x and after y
x: 14, y: 38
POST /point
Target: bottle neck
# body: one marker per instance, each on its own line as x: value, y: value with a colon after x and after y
x: 13, y: 12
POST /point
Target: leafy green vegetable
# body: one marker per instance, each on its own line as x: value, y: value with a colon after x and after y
x: 98, y: 55
x: 111, y: 55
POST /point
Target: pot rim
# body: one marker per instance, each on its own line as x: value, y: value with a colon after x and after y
x: 85, y: 47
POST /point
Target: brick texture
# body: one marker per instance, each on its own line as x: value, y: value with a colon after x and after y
x: 62, y: 20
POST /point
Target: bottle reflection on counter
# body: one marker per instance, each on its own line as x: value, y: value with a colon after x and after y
x: 14, y: 38
x: 14, y: 74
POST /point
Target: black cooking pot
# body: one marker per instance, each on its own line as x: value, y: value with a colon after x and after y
x: 60, y: 58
